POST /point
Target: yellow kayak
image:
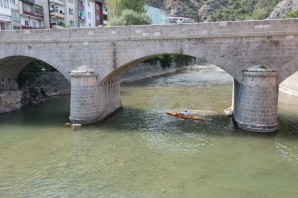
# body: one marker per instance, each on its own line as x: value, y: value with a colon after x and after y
x: 185, y: 117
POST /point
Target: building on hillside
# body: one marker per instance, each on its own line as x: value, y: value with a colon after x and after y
x: 172, y: 19
x: 31, y: 15
x: 157, y: 16
x: 5, y: 15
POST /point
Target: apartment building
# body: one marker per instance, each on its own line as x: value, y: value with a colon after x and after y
x: 90, y: 13
x: 32, y: 16
x: 37, y: 14
x: 101, y: 13
x: 77, y: 13
x: 5, y: 15
x: 15, y: 14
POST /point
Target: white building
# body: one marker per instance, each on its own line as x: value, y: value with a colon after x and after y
x: 32, y: 16
x: 5, y: 15
x: 71, y: 17
x: 90, y: 13
x: 36, y: 14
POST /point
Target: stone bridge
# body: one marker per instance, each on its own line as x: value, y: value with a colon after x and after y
x: 93, y: 59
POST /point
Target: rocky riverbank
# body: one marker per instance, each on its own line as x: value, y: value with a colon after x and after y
x: 11, y: 100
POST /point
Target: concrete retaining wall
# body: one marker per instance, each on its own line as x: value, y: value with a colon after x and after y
x: 145, y: 70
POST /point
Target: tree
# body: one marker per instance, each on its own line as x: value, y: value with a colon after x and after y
x: 292, y: 14
x: 130, y: 17
x: 32, y: 73
x: 116, y: 7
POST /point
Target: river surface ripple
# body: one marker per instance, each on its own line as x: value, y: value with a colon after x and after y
x: 142, y: 152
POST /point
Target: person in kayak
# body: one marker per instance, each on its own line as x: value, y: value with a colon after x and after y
x: 185, y: 113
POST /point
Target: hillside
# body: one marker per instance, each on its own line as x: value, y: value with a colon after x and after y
x: 226, y: 10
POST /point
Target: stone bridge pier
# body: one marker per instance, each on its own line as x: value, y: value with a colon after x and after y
x: 256, y: 99
x: 90, y: 101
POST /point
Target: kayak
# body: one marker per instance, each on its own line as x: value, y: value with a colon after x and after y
x: 185, y: 117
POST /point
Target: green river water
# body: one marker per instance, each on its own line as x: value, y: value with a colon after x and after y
x: 142, y: 152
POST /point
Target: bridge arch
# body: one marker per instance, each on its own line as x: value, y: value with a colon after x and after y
x: 288, y: 70
x: 134, y: 56
x: 12, y: 64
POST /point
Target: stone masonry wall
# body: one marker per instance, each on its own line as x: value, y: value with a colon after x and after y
x: 85, y: 99
x: 256, y: 109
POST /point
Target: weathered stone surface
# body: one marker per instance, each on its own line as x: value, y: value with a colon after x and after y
x: 256, y: 108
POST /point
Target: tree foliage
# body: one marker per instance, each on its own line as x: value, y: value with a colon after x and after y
x: 167, y: 59
x: 130, y: 17
x: 242, y: 9
x: 292, y: 14
x: 32, y: 73
x: 116, y: 7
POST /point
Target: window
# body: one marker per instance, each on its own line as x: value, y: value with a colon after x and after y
x: 96, y: 6
x: 70, y: 11
x: 88, y: 3
x: 97, y: 17
x: 27, y: 8
x: 89, y: 15
x: 27, y: 23
x: 89, y: 24
x: 34, y: 24
x: 15, y: 15
x: 71, y: 23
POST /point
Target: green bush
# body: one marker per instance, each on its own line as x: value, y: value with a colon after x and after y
x: 32, y: 73
x: 182, y: 60
x: 130, y: 17
x: 166, y: 61
x: 292, y: 14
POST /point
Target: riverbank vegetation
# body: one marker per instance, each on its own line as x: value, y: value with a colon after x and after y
x: 33, y: 72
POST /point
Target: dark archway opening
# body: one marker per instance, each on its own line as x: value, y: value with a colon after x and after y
x: 25, y: 80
